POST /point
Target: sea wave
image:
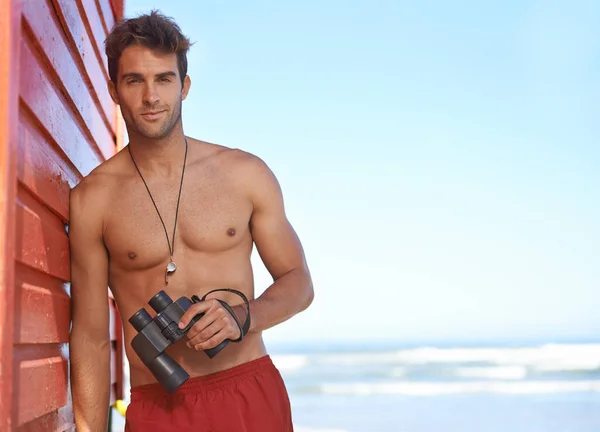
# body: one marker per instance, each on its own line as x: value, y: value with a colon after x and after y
x: 492, y: 372
x: 398, y: 372
x: 445, y: 388
x: 549, y: 362
x: 289, y: 362
x: 549, y: 357
x: 568, y: 356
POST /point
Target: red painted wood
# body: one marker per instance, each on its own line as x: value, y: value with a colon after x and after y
x: 68, y: 13
x: 63, y: 126
x: 83, y: 44
x: 117, y: 7
x: 95, y: 133
x: 41, y: 239
x: 41, y: 99
x: 91, y: 13
x: 10, y: 29
x: 113, y: 318
x: 40, y: 371
x: 107, y: 14
x: 42, y: 308
x: 58, y: 420
x: 45, y: 171
x: 54, y: 52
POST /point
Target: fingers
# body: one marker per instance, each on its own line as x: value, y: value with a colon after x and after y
x: 214, y: 327
x: 203, y: 335
x: 211, y: 314
x: 195, y: 309
x: 212, y: 342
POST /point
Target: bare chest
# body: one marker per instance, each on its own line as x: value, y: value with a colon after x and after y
x: 143, y: 230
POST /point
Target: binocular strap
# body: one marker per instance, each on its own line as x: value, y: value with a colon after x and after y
x: 243, y: 328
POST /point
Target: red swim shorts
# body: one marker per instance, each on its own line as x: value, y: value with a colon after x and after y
x: 247, y: 398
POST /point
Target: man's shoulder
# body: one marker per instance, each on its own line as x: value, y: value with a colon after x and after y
x: 248, y: 172
x: 99, y: 182
x: 236, y: 160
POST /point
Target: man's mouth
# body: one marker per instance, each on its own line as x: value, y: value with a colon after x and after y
x: 152, y: 115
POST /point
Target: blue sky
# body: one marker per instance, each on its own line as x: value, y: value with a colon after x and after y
x: 439, y: 160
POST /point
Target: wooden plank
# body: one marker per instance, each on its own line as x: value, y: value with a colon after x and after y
x: 95, y: 134
x: 42, y: 308
x: 92, y: 15
x: 107, y: 14
x: 64, y: 106
x: 44, y: 171
x: 58, y: 420
x: 42, y: 242
x: 117, y: 9
x: 68, y: 14
x: 40, y: 98
x: 41, y: 370
x: 10, y: 28
x: 67, y: 71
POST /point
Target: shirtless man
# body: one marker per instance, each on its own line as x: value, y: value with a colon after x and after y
x: 219, y: 202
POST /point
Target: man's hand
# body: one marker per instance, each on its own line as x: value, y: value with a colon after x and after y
x: 214, y: 327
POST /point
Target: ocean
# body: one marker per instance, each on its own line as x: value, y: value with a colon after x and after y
x: 362, y: 387
x: 546, y: 387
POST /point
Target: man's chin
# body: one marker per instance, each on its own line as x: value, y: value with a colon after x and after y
x: 155, y: 136
x: 153, y: 133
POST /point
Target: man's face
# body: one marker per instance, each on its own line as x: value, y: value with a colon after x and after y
x: 149, y: 91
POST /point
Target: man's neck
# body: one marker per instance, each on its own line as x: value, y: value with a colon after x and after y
x: 161, y: 157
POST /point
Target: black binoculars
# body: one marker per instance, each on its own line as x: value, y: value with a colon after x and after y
x: 158, y: 333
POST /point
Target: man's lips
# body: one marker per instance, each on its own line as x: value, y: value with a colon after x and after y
x: 152, y: 114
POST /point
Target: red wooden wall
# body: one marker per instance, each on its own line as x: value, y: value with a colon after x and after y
x: 57, y: 123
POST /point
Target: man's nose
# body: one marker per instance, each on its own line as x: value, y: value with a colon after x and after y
x: 150, y: 94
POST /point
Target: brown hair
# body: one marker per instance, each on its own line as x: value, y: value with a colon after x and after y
x: 154, y: 31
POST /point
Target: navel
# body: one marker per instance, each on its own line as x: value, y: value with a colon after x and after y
x: 231, y: 232
x: 132, y: 255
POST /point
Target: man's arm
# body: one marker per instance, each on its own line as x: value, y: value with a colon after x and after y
x: 283, y: 256
x: 280, y: 250
x: 90, y: 337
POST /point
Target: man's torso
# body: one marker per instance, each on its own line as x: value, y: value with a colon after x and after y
x: 212, y: 244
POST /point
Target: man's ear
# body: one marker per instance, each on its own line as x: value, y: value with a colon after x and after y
x: 112, y: 89
x: 187, y: 82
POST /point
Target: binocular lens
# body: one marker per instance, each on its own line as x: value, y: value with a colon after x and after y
x: 140, y: 319
x: 160, y: 301
x: 168, y: 372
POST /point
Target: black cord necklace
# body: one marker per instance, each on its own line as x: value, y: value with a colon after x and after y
x: 171, y: 266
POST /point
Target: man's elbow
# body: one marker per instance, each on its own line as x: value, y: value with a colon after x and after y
x: 309, y: 292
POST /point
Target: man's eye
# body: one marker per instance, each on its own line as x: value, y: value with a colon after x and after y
x: 165, y: 79
x: 133, y: 81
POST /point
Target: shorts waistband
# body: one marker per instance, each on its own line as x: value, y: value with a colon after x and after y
x: 204, y: 383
